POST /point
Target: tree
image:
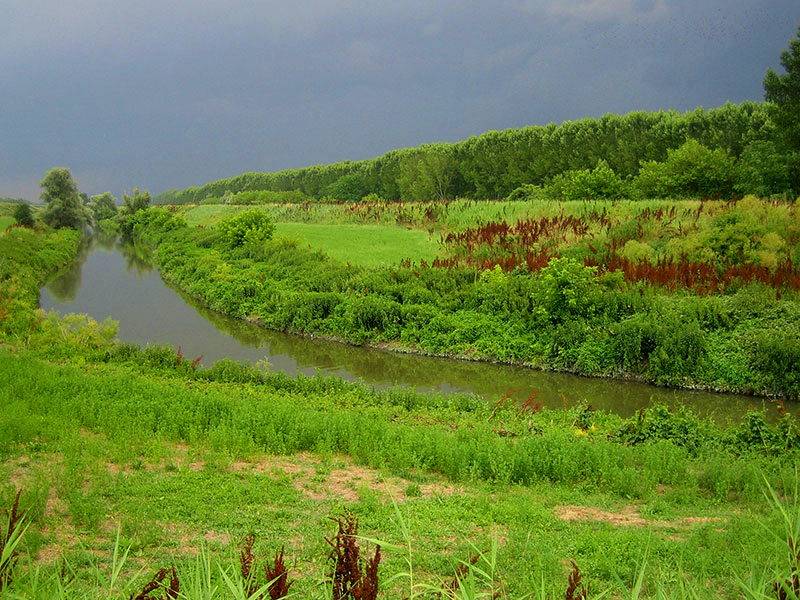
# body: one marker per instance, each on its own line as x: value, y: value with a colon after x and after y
x: 784, y: 92
x: 134, y: 203
x: 23, y: 215
x: 103, y: 206
x: 426, y: 175
x: 689, y: 171
x: 63, y: 206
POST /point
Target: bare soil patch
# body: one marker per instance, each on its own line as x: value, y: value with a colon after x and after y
x: 626, y: 516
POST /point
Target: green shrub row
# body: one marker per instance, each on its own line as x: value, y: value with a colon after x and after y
x: 565, y: 317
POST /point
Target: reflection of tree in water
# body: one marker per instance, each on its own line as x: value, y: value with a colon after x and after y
x: 245, y: 333
x: 66, y: 284
x: 138, y: 257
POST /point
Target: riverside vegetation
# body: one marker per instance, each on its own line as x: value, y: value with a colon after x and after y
x: 131, y: 460
x: 685, y: 294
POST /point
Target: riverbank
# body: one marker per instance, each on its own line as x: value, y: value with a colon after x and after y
x: 119, y: 447
x: 565, y: 318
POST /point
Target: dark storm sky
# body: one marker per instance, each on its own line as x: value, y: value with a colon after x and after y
x: 170, y: 94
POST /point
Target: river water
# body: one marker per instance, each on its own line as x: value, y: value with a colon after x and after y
x: 111, y: 280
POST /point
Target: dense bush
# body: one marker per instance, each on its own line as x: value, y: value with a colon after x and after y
x: 584, y: 184
x: 248, y: 227
x: 692, y: 170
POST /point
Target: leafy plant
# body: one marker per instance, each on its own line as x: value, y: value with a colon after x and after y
x: 352, y: 577
x: 248, y: 227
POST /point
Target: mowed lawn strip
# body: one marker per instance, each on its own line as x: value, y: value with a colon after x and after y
x: 364, y: 245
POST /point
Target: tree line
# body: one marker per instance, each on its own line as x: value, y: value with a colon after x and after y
x: 738, y: 140
x: 737, y: 149
x: 66, y: 207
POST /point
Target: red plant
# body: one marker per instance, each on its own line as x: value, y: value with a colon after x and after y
x: 576, y: 590
x: 14, y: 520
x: 172, y: 590
x: 278, y: 575
x: 352, y: 577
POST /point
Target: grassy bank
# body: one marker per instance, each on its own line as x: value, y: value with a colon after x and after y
x: 177, y: 459
x: 679, y: 294
x: 131, y: 460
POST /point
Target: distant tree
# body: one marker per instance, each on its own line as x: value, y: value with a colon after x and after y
x: 784, y: 92
x: 63, y: 206
x: 426, y: 176
x: 23, y: 215
x: 689, y: 171
x: 763, y: 170
x: 103, y: 206
x: 134, y: 203
x: 348, y: 188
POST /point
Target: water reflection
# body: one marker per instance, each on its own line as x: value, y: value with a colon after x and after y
x: 117, y: 280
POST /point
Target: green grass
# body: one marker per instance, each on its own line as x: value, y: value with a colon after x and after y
x: 102, y: 448
x: 208, y: 216
x: 364, y: 245
x: 6, y: 222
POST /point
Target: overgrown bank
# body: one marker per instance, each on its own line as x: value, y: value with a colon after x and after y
x: 109, y: 442
x: 582, y: 296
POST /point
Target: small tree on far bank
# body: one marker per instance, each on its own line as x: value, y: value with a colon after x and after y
x: 103, y: 206
x: 135, y: 202
x: 23, y: 215
x: 131, y: 205
x: 63, y: 206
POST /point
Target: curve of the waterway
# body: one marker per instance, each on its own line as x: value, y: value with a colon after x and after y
x: 112, y: 280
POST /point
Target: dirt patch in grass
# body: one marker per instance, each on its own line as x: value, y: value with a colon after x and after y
x: 340, y: 479
x: 627, y: 515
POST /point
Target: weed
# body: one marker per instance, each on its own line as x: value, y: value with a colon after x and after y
x: 172, y: 588
x: 352, y: 576
x: 576, y: 590
x: 9, y: 540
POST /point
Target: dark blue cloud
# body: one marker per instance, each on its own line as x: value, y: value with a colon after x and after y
x: 164, y: 96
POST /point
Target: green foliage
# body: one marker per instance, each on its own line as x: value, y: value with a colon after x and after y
x: 245, y: 228
x: 103, y: 206
x: 527, y: 191
x: 584, y: 184
x: 131, y: 205
x: 692, y: 170
x: 347, y: 188
x: 763, y: 170
x: 63, y: 206
x: 23, y: 215
x: 135, y: 202
x: 784, y: 92
x: 426, y: 175
x: 569, y: 290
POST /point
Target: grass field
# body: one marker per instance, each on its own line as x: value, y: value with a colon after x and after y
x: 6, y: 222
x: 94, y: 464
x: 365, y: 245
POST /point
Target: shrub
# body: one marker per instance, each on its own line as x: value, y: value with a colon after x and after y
x: 569, y: 289
x: 248, y: 227
x: 582, y: 184
x: 23, y: 215
x: 689, y: 171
